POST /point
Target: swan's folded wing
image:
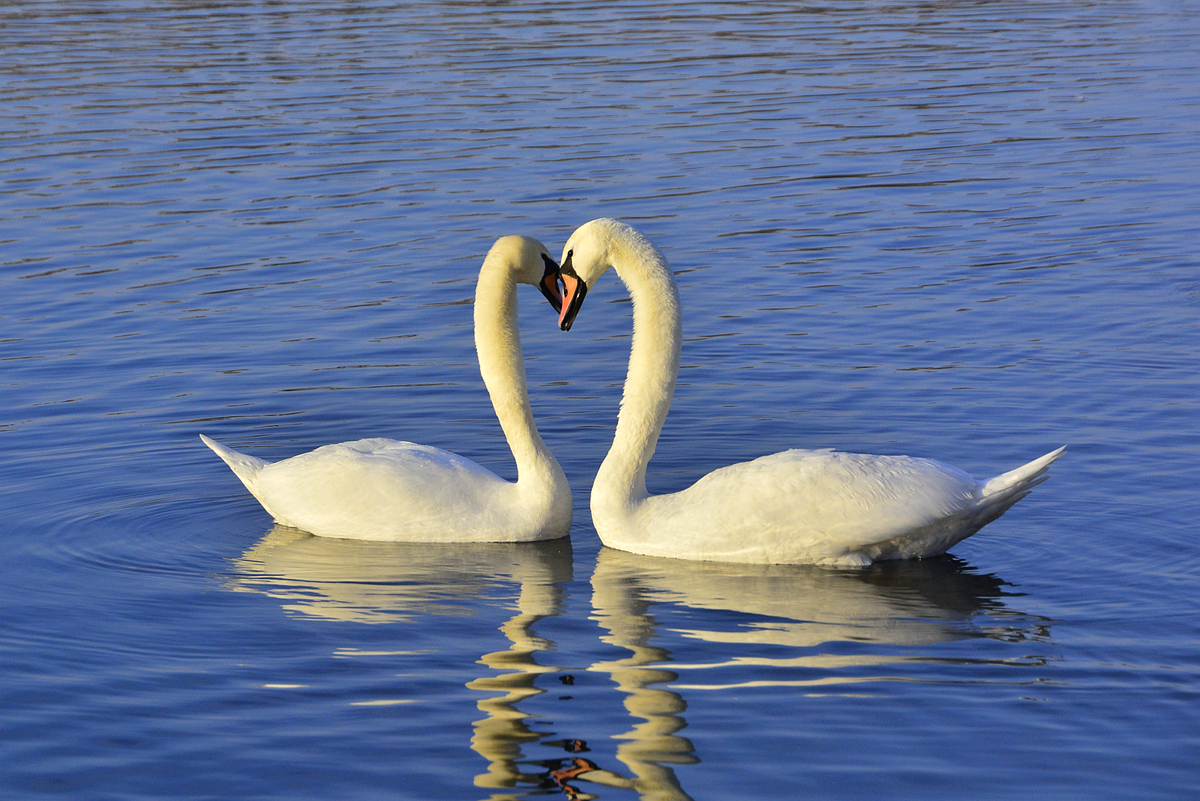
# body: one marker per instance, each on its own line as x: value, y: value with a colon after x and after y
x: 805, y: 506
x: 858, y: 499
x: 370, y: 489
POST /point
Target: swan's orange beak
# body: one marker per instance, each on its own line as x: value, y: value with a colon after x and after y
x: 574, y: 290
x: 549, y: 284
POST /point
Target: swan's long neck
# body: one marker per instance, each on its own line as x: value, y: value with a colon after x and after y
x: 650, y: 383
x: 502, y: 365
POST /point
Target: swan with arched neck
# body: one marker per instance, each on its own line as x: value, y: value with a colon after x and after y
x: 383, y: 489
x: 797, y: 506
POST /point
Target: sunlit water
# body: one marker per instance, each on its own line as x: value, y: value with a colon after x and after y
x: 962, y: 231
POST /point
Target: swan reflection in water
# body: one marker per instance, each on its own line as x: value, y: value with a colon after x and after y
x: 374, y: 582
x: 752, y: 625
x: 739, y: 609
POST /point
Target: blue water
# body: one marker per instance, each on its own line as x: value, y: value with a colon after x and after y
x: 960, y: 231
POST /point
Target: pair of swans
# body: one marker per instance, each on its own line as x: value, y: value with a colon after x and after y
x: 797, y: 506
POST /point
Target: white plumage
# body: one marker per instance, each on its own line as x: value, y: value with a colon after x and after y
x: 797, y: 506
x: 382, y: 489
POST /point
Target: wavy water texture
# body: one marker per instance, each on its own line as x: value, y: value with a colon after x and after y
x: 962, y: 231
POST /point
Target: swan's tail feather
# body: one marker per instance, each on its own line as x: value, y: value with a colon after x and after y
x: 243, y: 466
x: 1002, y: 492
x: 1023, y: 478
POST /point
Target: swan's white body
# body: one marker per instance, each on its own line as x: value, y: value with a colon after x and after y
x: 381, y: 489
x: 798, y: 506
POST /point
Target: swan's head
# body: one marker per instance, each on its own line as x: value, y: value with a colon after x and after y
x: 588, y: 255
x: 531, y: 263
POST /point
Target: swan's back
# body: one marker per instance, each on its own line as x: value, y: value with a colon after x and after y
x: 367, y: 488
x: 804, y: 506
x: 382, y: 489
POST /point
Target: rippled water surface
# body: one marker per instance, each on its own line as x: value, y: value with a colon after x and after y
x: 965, y: 231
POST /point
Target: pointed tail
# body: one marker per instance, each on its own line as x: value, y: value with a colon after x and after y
x: 1024, y: 477
x: 243, y: 466
x: 1000, y: 493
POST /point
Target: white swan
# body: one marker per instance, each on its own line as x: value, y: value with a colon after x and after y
x: 798, y: 506
x: 381, y: 489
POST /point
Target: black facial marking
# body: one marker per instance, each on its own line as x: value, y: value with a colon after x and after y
x: 567, y: 268
x: 550, y: 279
